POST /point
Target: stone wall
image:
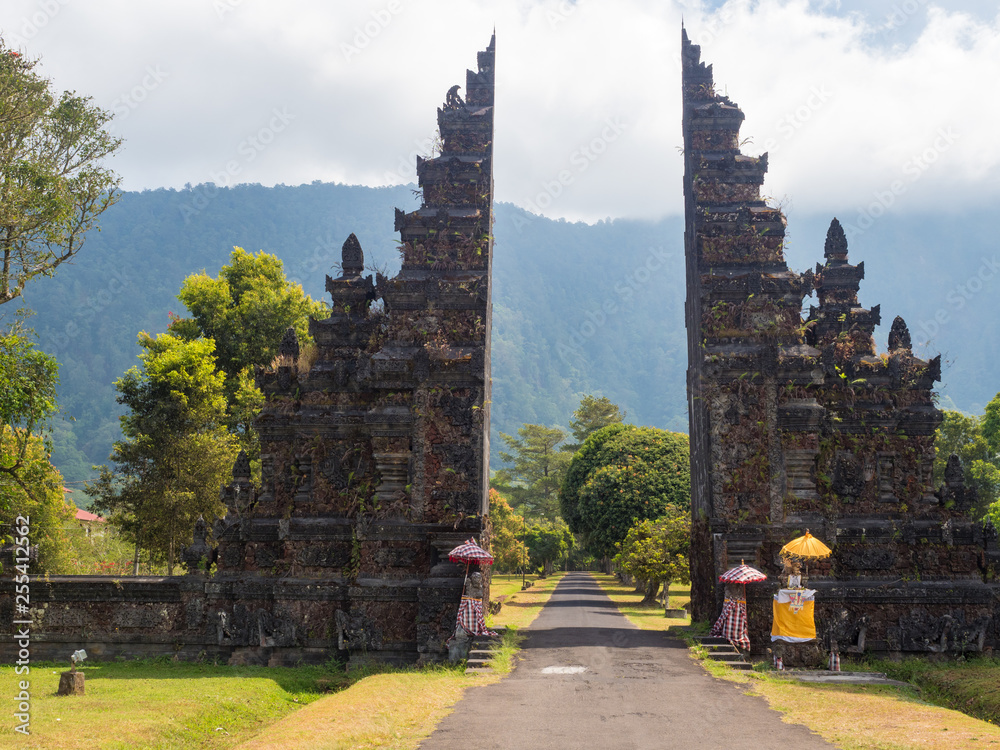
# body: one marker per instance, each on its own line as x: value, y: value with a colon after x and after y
x: 798, y: 424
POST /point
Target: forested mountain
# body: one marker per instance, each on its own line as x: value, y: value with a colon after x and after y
x: 577, y: 308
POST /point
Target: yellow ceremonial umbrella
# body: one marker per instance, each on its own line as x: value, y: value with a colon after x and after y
x: 806, y: 547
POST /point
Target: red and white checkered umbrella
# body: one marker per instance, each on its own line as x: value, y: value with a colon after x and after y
x: 742, y: 573
x: 470, y: 552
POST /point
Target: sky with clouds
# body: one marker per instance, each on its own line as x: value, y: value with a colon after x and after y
x: 890, y: 101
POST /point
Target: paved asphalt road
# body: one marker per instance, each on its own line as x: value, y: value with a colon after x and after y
x: 588, y: 678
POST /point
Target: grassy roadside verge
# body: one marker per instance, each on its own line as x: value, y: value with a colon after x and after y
x: 388, y: 710
x: 160, y: 703
x: 853, y: 717
x: 972, y: 686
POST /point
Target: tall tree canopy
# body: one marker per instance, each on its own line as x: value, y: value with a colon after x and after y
x: 52, y: 189
x: 623, y: 474
x: 506, y: 535
x: 52, y: 183
x: 548, y: 542
x: 28, y: 379
x: 176, y: 452
x: 246, y: 311
x: 36, y: 492
x: 976, y: 441
x: 533, y: 479
x: 656, y: 552
x: 592, y: 414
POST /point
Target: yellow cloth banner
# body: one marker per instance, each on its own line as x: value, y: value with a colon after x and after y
x: 793, y: 612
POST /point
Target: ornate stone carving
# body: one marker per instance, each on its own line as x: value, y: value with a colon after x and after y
x: 453, y: 100
x: 835, y: 247
x: 954, y: 493
x: 922, y: 632
x: 352, y: 257
x: 289, y: 346
x: 241, y: 467
x: 257, y: 627
x: 138, y: 618
x: 357, y: 632
x: 363, y: 458
x: 195, y: 557
x: 899, y: 336
x: 395, y: 557
x: 845, y: 633
x: 848, y: 475
x: 335, y: 555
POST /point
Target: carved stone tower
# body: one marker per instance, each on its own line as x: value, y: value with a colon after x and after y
x: 375, y: 445
x: 798, y: 424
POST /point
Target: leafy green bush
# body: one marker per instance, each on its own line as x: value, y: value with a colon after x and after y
x: 621, y: 475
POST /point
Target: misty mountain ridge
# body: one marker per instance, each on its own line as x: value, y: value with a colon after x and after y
x: 578, y: 308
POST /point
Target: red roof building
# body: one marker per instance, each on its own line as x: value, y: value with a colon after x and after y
x: 83, y: 515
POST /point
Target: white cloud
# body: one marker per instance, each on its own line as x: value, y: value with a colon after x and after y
x: 844, y: 104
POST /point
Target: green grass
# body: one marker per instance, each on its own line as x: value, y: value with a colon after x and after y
x: 165, y: 704
x: 506, y: 584
x: 503, y: 657
x: 971, y: 686
x: 396, y: 709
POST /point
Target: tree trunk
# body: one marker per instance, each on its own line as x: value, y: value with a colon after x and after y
x: 665, y: 595
x: 640, y: 586
x: 651, y: 592
x: 135, y: 561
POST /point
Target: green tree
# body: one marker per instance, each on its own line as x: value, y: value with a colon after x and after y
x: 246, y: 311
x: 592, y: 414
x: 548, y: 542
x: 537, y: 467
x: 656, y: 552
x: 28, y: 379
x: 52, y: 184
x: 975, y: 440
x: 36, y: 492
x: 623, y: 474
x: 507, y: 529
x: 176, y: 452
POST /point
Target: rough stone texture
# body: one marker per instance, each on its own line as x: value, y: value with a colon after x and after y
x: 798, y: 424
x: 72, y: 683
x: 374, y: 461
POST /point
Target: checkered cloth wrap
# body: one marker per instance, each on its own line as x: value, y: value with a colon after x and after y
x: 732, y: 623
x: 470, y: 617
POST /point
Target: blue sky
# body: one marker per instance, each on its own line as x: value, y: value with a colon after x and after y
x: 891, y: 99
